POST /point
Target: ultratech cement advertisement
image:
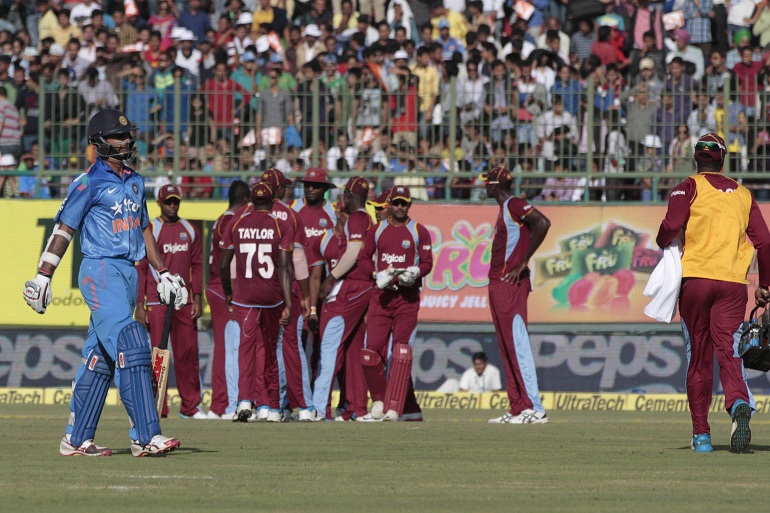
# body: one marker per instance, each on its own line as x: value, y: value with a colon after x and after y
x: 566, y: 362
x: 591, y: 268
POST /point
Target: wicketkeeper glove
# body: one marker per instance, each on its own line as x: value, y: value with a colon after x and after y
x: 385, y: 278
x: 169, y: 284
x: 37, y: 293
x: 408, y: 276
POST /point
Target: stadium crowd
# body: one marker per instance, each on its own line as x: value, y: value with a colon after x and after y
x: 234, y: 87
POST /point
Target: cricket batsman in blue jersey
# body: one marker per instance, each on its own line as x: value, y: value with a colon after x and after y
x: 107, y: 205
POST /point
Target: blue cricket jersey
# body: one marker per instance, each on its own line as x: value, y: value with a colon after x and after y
x: 110, y: 212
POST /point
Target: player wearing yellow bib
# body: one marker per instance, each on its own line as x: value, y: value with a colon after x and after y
x: 717, y: 217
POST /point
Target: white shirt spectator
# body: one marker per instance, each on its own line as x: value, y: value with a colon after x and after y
x: 488, y: 381
x: 191, y: 63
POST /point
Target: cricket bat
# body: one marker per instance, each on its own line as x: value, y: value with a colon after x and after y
x: 161, y: 360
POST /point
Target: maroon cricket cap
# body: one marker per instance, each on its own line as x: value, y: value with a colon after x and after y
x: 358, y: 185
x: 317, y: 175
x: 710, y: 148
x: 275, y: 178
x: 169, y: 191
x: 497, y: 174
x: 400, y: 192
x: 262, y: 191
x: 382, y: 199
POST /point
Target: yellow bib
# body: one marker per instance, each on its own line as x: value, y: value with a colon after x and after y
x: 715, y: 244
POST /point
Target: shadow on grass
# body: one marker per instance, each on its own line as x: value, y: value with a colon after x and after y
x: 176, y: 452
x: 726, y: 448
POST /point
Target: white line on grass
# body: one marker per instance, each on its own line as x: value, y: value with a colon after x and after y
x: 170, y: 477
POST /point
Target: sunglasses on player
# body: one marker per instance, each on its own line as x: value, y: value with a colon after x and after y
x: 709, y: 145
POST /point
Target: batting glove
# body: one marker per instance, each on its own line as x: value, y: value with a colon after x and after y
x: 37, y: 293
x: 408, y: 276
x: 172, y: 284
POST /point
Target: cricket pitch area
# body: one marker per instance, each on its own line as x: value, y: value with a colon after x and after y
x: 581, y: 461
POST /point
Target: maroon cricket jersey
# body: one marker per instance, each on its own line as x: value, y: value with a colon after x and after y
x: 215, y: 254
x: 511, y: 239
x: 315, y: 220
x: 181, y: 250
x: 398, y: 246
x: 257, y: 238
x: 287, y: 218
x: 356, y: 226
x: 678, y: 213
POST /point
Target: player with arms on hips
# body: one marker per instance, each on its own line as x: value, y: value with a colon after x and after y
x: 108, y: 206
x: 238, y: 196
x: 519, y: 231
x: 179, y: 243
x: 346, y: 295
x: 716, y: 215
x: 397, y: 254
x: 260, y: 298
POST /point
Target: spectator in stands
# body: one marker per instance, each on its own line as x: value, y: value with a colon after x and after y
x: 9, y: 184
x: 738, y: 123
x: 606, y: 51
x: 681, y: 151
x: 311, y: 45
x: 649, y: 51
x: 195, y: 20
x: 498, y: 107
x: 548, y: 122
x: 400, y: 15
x: 701, y: 121
x: 680, y: 85
x: 164, y: 21
x: 687, y: 53
x: 583, y: 39
x: 305, y: 102
x: 643, y: 111
x: 717, y: 72
x: 227, y: 102
x: 346, y: 18
x: 652, y: 162
x: 276, y: 111
x: 747, y: 72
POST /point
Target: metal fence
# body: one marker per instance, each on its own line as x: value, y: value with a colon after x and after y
x: 565, y: 139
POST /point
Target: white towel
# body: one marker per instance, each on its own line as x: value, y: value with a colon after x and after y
x: 663, y: 285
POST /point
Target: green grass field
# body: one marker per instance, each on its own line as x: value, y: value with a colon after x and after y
x: 454, y: 461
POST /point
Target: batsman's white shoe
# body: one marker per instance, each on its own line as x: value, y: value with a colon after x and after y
x: 243, y: 413
x: 261, y: 415
x: 391, y: 416
x: 229, y: 416
x: 368, y: 418
x: 411, y: 417
x: 273, y: 416
x: 378, y: 410
x: 527, y: 416
x: 157, y: 446
x: 87, y: 448
x: 212, y: 416
x: 306, y: 414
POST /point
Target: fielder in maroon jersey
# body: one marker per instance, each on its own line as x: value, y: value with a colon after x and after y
x: 346, y: 301
x: 180, y: 245
x: 260, y: 298
x: 397, y: 254
x: 519, y: 231
x: 317, y: 216
x: 238, y: 196
x: 292, y: 362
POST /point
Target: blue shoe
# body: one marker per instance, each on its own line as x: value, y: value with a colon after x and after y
x: 701, y: 443
x: 740, y: 434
